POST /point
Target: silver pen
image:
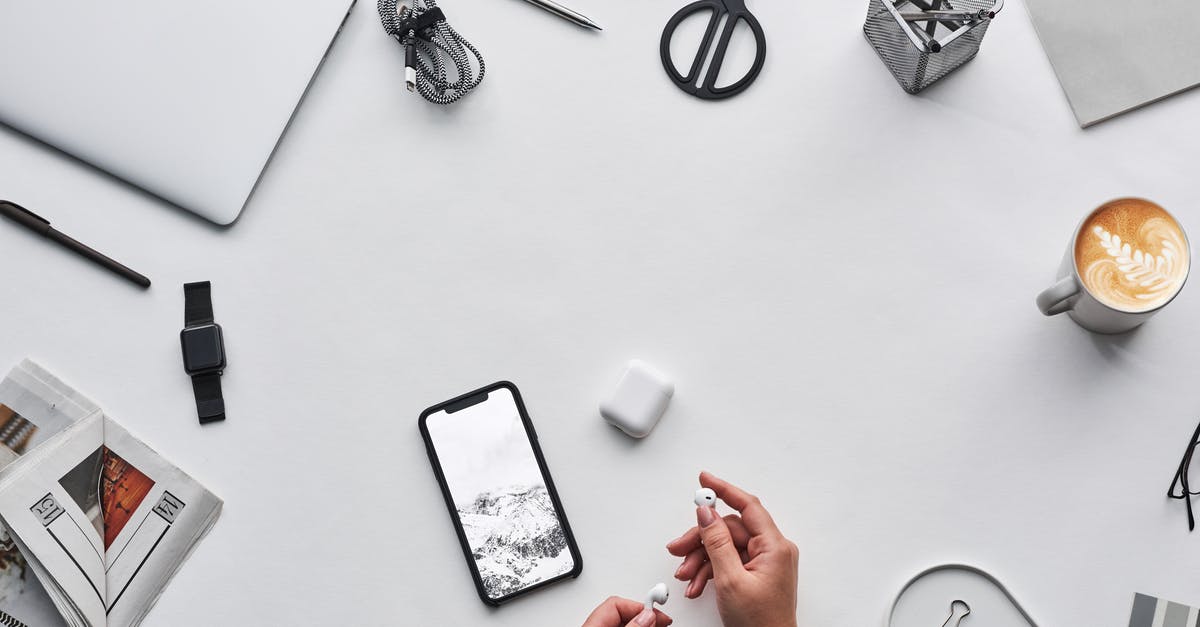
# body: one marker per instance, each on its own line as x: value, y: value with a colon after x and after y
x: 947, y: 16
x: 565, y: 13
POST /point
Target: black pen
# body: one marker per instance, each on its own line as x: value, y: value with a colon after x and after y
x: 41, y: 226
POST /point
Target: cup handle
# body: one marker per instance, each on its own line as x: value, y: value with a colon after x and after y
x: 1057, y: 298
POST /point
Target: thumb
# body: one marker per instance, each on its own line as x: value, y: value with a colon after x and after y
x: 646, y: 619
x: 718, y: 544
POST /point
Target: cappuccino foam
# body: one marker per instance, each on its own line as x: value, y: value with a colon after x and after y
x: 1132, y: 255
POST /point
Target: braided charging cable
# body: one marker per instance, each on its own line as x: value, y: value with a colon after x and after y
x: 429, y: 41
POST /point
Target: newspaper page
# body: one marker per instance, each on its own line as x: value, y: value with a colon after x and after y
x: 104, y: 520
x: 54, y: 517
x: 34, y: 406
x: 154, y: 515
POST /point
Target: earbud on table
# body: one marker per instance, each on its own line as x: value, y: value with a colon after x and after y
x: 658, y: 594
x: 706, y: 498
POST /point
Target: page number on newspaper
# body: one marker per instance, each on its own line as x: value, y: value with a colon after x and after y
x: 169, y: 507
x: 47, y: 510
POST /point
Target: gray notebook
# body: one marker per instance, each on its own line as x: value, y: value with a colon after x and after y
x: 1113, y: 56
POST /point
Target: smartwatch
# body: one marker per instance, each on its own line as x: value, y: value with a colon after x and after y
x: 203, y: 351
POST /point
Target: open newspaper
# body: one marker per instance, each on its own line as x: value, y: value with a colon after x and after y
x: 95, y: 522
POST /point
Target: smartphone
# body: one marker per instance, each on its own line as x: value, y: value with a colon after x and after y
x: 503, y: 504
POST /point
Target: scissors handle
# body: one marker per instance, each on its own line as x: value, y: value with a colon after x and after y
x: 734, y: 11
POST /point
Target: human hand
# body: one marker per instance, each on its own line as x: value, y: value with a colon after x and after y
x: 618, y: 612
x: 753, y: 566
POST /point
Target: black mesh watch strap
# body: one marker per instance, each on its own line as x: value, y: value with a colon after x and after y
x: 197, y: 311
x: 197, y: 303
x: 210, y: 405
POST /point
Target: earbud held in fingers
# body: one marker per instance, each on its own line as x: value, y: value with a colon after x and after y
x: 658, y: 594
x: 706, y: 498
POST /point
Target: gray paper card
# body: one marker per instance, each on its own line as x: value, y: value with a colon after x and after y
x: 1113, y: 56
x: 1150, y: 611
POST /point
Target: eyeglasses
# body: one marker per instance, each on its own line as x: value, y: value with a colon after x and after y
x: 1179, y: 486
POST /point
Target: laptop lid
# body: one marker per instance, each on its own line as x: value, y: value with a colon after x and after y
x: 184, y: 100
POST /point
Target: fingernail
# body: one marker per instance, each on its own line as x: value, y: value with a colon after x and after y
x: 691, y: 590
x: 646, y: 618
x: 678, y: 570
x: 706, y: 516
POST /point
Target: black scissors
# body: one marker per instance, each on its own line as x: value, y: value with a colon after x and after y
x: 707, y: 89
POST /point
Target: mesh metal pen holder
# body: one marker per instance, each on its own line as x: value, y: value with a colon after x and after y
x: 921, y: 41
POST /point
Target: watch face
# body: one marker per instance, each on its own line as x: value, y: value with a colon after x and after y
x: 203, y: 348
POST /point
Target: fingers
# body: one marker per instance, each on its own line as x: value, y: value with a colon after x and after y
x: 619, y: 612
x: 686, y: 543
x: 693, y: 560
x: 758, y: 520
x: 718, y: 543
x: 696, y: 585
x: 608, y: 613
x: 690, y: 540
x: 691, y: 565
x: 650, y: 618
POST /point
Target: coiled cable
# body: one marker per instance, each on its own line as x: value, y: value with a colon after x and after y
x: 429, y: 41
x: 9, y: 620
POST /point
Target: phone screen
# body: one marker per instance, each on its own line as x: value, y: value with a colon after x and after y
x: 510, y: 521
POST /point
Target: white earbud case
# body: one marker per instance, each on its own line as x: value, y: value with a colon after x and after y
x: 639, y: 401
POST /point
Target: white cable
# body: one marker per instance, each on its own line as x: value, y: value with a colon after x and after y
x: 975, y: 570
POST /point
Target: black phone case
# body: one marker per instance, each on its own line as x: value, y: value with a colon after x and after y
x: 531, y: 433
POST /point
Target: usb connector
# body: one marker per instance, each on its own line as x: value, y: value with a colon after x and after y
x: 410, y: 65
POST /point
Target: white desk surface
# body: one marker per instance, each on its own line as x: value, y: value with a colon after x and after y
x: 840, y: 277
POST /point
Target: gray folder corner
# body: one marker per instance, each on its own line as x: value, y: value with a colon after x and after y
x: 1147, y: 610
x: 1112, y: 57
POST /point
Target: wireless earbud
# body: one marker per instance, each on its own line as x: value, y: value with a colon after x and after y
x: 658, y: 594
x: 706, y: 498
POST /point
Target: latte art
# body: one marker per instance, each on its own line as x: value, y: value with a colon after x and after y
x: 1132, y: 255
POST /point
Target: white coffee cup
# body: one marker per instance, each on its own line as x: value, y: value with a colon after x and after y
x: 1071, y: 295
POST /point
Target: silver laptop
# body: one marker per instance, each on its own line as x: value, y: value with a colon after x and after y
x: 184, y: 100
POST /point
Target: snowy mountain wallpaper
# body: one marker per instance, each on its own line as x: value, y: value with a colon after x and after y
x: 515, y: 538
x: 506, y: 512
